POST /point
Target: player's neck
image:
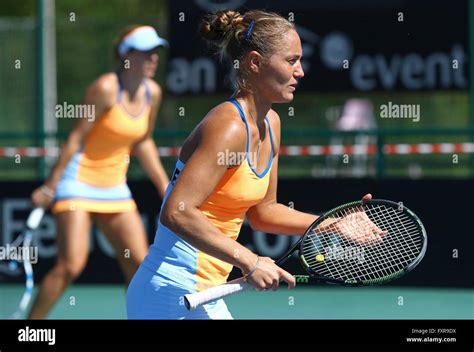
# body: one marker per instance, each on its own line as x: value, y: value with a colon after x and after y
x: 130, y: 82
x: 257, y: 106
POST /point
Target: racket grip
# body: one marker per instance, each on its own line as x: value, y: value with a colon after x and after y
x: 194, y: 300
x: 34, y: 218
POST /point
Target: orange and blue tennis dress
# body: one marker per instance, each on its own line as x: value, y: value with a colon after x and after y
x: 174, y: 267
x: 95, y: 177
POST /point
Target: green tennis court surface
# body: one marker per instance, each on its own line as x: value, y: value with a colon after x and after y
x: 108, y: 302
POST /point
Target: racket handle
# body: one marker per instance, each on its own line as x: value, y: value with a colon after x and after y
x: 194, y: 300
x: 34, y: 218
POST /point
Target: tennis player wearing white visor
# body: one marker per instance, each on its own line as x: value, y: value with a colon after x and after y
x: 88, y: 183
x: 143, y: 38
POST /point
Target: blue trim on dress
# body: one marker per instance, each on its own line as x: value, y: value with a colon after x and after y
x: 242, y: 115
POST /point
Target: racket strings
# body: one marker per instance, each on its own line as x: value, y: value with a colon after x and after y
x: 403, y: 244
x: 348, y: 268
x: 382, y: 265
x: 374, y: 264
x: 341, y: 250
x: 401, y: 251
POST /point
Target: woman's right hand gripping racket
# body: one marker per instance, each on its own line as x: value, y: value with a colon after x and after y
x: 356, y: 244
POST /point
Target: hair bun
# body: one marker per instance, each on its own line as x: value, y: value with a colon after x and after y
x: 216, y: 27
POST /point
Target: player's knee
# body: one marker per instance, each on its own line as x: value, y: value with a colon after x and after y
x: 70, y: 270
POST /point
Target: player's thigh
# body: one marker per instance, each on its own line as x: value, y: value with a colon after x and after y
x: 152, y: 296
x: 126, y: 233
x: 73, y: 228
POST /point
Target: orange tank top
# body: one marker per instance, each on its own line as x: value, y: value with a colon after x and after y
x: 239, y: 189
x: 105, y: 153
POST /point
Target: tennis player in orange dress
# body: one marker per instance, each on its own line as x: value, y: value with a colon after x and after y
x: 209, y: 194
x: 88, y: 183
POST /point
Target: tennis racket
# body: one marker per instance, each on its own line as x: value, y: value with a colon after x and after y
x: 340, y: 247
x: 16, y: 271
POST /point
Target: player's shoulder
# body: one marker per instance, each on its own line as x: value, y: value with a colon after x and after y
x: 224, y: 122
x: 155, y: 88
x: 105, y: 87
x: 107, y: 82
x: 224, y: 114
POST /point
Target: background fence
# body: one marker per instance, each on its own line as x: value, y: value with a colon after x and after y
x: 396, y: 53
